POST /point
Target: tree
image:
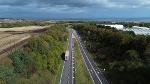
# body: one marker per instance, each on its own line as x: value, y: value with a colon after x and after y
x: 22, y: 63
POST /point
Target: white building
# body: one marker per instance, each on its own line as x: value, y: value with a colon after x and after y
x: 119, y: 27
x: 139, y: 30
x: 137, y: 27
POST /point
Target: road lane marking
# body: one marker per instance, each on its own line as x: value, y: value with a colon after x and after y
x: 72, y: 57
x: 66, y: 61
x: 85, y: 63
x: 91, y: 65
x: 62, y: 72
x: 88, y: 60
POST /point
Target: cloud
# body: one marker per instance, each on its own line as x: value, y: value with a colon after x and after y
x: 66, y: 7
x: 14, y: 2
x: 97, y: 3
x: 78, y: 3
x: 130, y: 3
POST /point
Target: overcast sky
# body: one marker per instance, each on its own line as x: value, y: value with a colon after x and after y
x: 74, y: 8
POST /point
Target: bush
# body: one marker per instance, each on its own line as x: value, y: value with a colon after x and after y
x: 7, y: 75
x: 22, y: 63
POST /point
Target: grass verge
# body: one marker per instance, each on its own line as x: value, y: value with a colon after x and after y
x: 58, y: 75
x: 82, y: 75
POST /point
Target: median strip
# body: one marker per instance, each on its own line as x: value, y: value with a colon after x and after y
x: 81, y: 74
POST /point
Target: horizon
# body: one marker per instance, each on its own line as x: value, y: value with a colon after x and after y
x: 107, y: 18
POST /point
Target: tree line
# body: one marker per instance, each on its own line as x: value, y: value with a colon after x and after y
x: 124, y: 55
x: 131, y: 24
x: 23, y: 23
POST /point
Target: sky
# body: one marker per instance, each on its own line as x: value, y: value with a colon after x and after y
x: 61, y: 9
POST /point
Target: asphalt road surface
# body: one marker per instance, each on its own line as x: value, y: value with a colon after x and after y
x: 67, y: 76
x: 95, y: 73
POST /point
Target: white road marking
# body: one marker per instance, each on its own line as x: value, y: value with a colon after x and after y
x: 72, y: 58
x: 85, y: 63
x: 91, y: 64
x: 61, y: 73
x: 89, y: 61
x: 64, y: 61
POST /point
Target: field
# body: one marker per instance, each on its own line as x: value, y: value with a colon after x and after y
x: 23, y: 29
x: 11, y: 38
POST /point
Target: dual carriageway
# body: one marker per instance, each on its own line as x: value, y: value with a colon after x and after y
x: 68, y: 71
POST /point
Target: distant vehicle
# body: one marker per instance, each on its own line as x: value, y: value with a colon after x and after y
x: 67, y: 55
x: 73, y: 36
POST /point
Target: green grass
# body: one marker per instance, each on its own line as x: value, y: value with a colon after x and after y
x: 82, y: 75
x: 58, y: 75
x: 41, y: 77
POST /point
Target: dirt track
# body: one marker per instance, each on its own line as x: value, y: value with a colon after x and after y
x: 23, y: 29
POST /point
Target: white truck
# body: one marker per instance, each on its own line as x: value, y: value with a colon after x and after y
x: 67, y: 55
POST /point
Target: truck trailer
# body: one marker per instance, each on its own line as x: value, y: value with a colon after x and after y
x: 67, y: 55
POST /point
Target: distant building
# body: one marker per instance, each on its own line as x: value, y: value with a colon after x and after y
x: 117, y: 26
x: 137, y: 27
x: 73, y: 36
x: 139, y: 30
x: 51, y: 21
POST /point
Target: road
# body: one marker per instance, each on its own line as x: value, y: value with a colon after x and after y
x: 67, y: 76
x: 96, y: 74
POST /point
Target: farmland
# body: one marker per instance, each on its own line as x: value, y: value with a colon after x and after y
x: 9, y: 40
x: 23, y: 29
x: 12, y: 38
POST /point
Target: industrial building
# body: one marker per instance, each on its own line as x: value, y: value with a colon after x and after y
x: 119, y: 27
